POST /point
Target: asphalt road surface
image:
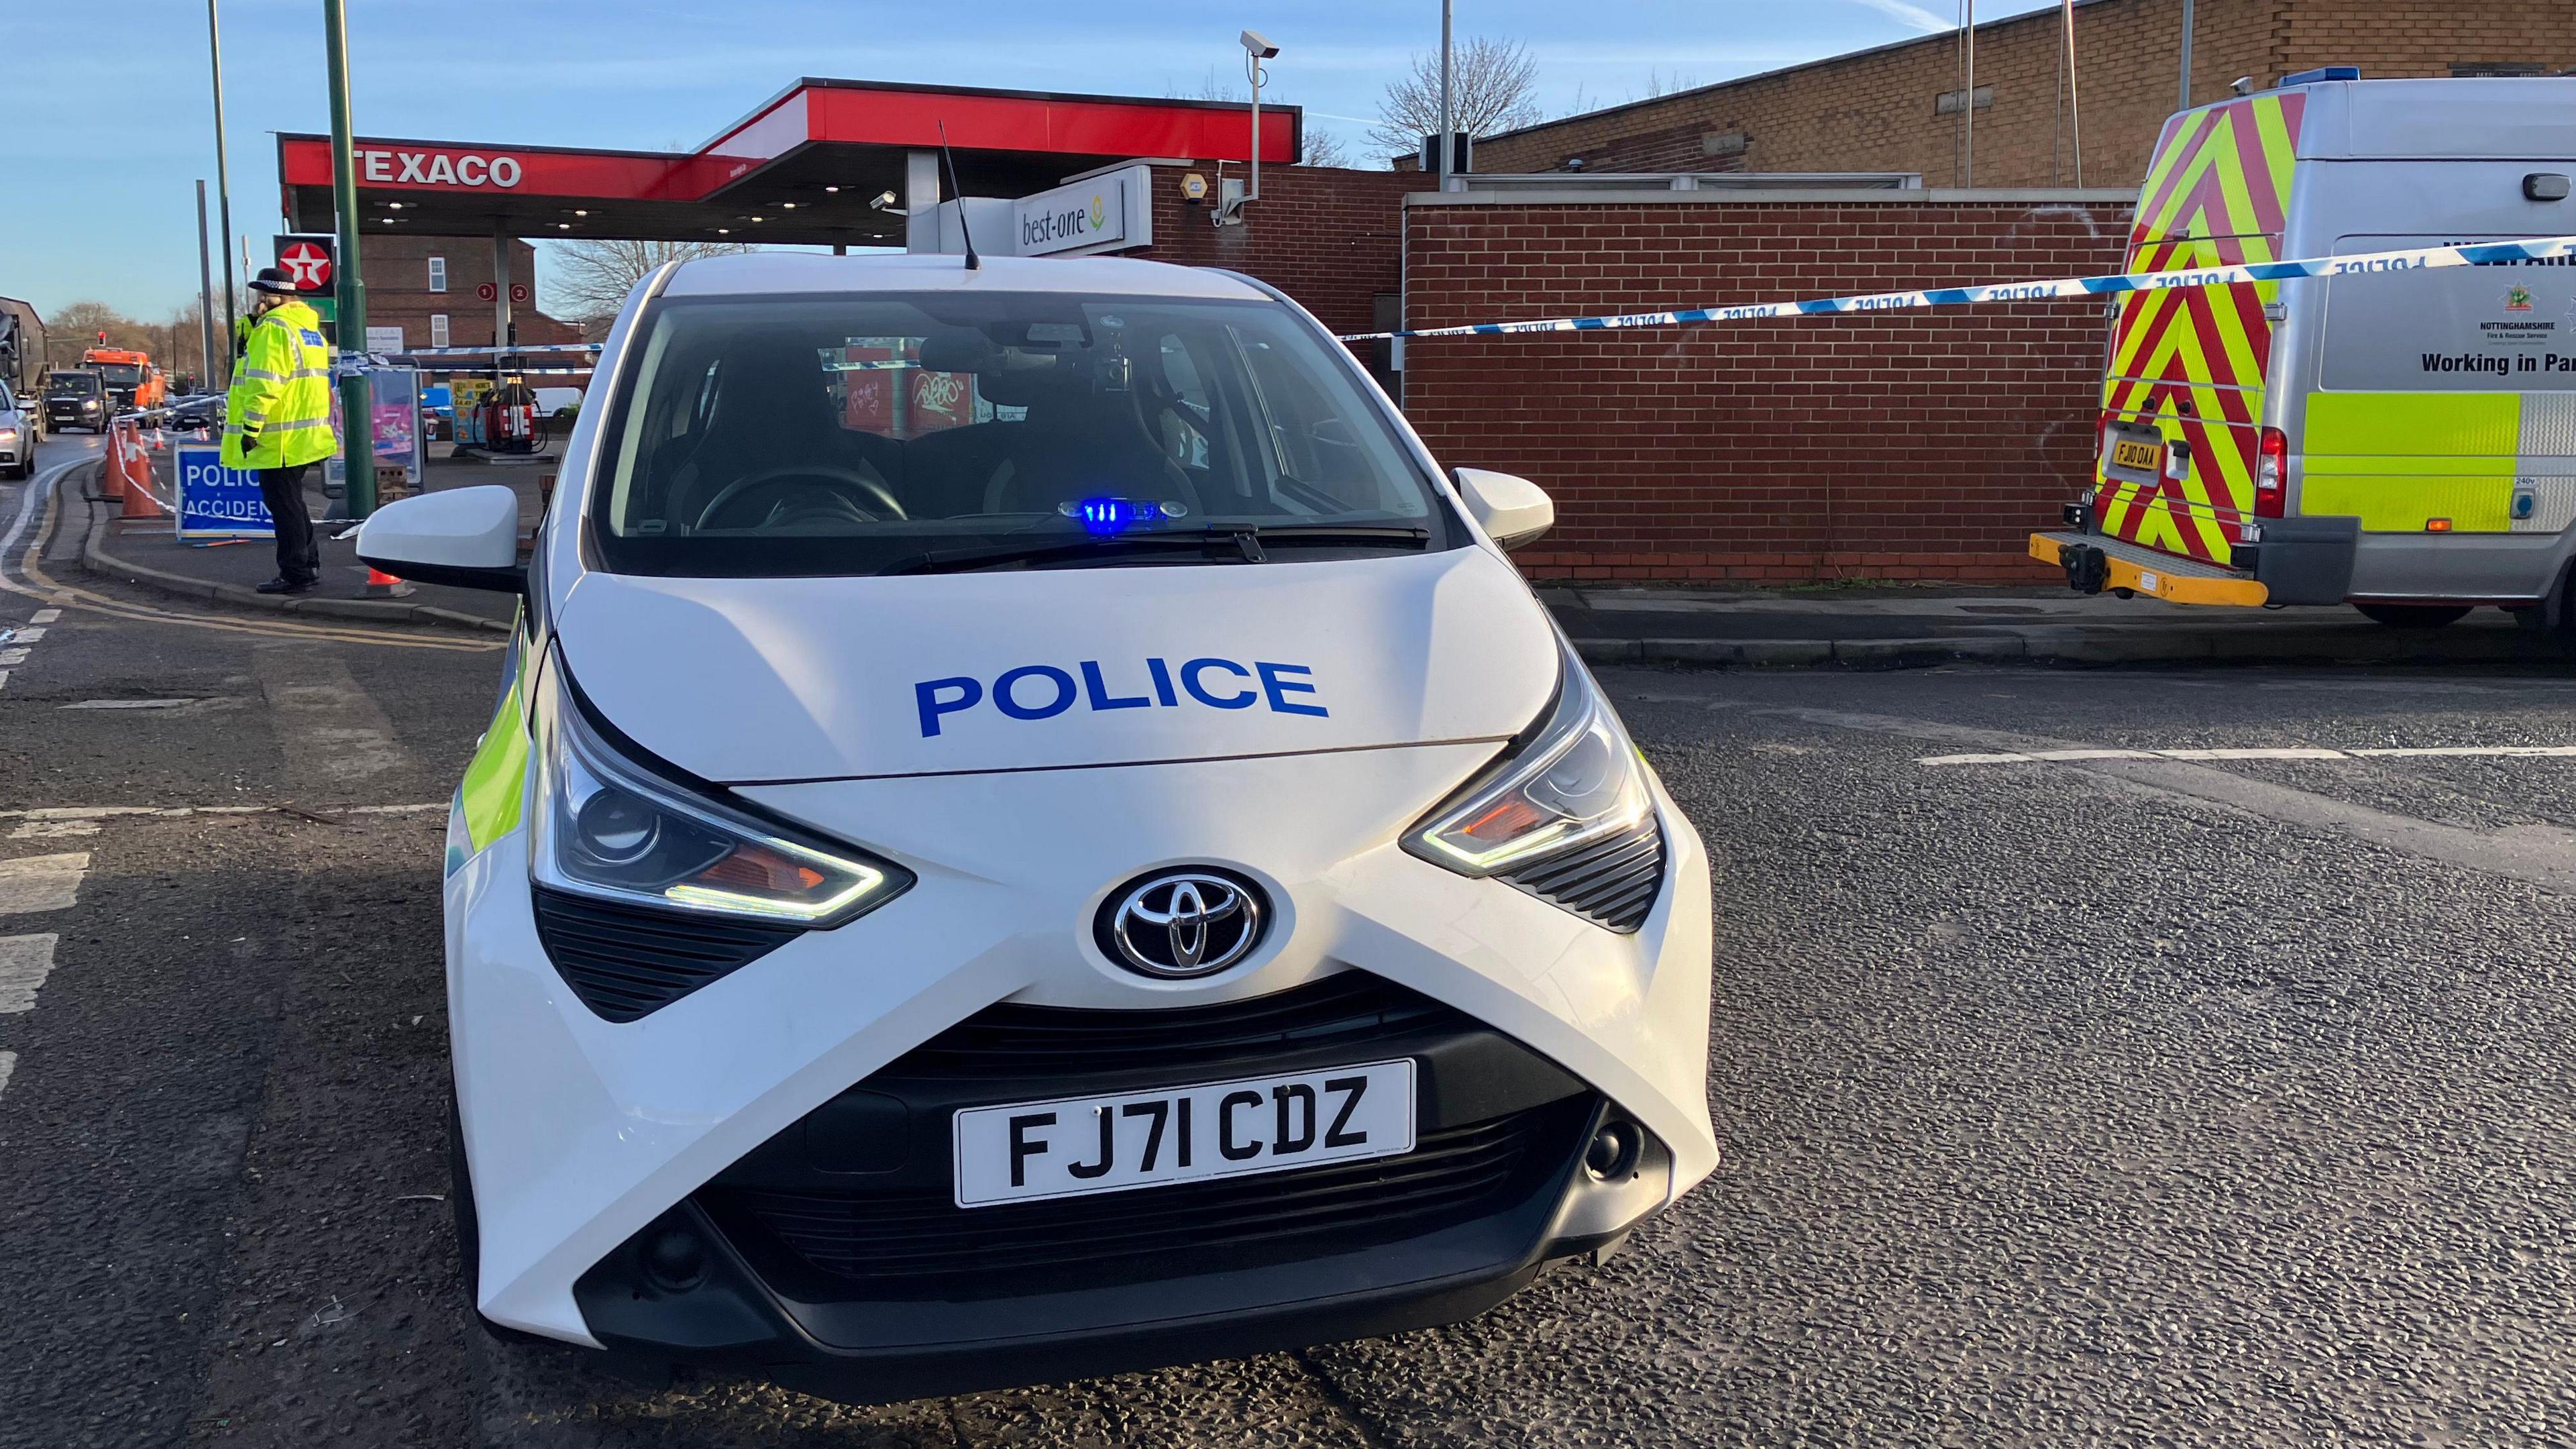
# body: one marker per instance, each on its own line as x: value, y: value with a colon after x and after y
x: 2213, y: 1085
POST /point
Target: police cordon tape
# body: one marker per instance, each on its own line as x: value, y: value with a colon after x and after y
x: 588, y: 347
x: 2407, y: 259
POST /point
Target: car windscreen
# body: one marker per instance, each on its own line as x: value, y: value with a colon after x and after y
x: 79, y: 384
x: 844, y: 435
x: 120, y: 374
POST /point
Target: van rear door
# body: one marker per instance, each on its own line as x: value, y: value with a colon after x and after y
x: 2182, y: 398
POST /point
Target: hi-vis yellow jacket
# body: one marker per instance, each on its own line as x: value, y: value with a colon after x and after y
x: 278, y: 413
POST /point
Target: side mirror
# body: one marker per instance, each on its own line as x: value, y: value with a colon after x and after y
x: 1512, y: 511
x: 466, y: 538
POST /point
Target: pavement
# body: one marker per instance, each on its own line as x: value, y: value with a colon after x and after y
x: 151, y: 555
x: 1851, y: 627
x: 2169, y: 1055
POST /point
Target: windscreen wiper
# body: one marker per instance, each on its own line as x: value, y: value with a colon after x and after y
x: 1247, y: 539
x: 1250, y: 537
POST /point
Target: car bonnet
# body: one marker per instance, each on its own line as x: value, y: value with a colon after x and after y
x: 743, y: 680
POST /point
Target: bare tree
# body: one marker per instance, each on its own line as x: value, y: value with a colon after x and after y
x: 75, y: 328
x: 1323, y: 148
x: 592, y: 278
x: 1492, y: 87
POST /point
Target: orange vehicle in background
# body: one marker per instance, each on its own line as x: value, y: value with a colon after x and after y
x: 132, y: 381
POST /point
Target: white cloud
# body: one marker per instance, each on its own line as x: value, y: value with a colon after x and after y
x: 1914, y: 15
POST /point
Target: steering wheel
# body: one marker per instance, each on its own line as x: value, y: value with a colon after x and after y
x: 875, y: 503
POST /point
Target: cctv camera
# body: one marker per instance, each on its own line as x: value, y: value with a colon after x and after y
x: 884, y: 201
x: 1260, y: 48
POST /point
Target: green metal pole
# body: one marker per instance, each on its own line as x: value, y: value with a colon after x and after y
x: 357, y: 418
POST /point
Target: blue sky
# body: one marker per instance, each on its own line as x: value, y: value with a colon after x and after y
x: 106, y: 120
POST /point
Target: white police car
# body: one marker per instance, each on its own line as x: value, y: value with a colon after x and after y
x: 1030, y: 832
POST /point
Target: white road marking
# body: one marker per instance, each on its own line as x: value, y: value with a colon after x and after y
x: 44, y: 616
x: 328, y: 726
x: 2544, y: 855
x: 29, y: 636
x: 8, y: 1064
x: 2040, y: 757
x: 25, y: 962
x: 31, y: 883
x: 13, y: 656
x: 50, y: 829
x: 129, y: 704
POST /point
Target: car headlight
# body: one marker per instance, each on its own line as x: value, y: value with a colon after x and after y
x: 1569, y: 782
x: 607, y: 826
x: 89, y: 404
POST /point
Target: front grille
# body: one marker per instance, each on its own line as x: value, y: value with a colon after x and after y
x: 626, y: 962
x: 1611, y: 882
x: 1351, y: 1010
x: 916, y: 1243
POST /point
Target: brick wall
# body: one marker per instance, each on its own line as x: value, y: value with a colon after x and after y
x: 1892, y: 446
x: 1874, y: 110
x: 398, y: 295
x: 1325, y: 236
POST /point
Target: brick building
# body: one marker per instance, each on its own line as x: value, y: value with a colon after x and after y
x: 1886, y: 445
x: 1896, y: 108
x: 427, y: 286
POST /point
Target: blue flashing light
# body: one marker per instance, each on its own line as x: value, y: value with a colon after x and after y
x: 1106, y: 516
x: 2322, y: 73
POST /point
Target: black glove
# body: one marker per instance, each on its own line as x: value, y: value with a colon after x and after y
x: 250, y: 439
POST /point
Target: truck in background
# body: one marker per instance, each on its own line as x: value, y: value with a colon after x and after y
x: 22, y: 346
x: 132, y: 381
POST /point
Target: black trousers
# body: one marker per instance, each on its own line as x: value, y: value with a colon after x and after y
x: 299, y: 560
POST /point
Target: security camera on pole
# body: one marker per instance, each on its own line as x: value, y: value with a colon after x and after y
x: 1229, y: 208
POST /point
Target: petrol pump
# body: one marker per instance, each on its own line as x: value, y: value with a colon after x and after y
x: 508, y: 415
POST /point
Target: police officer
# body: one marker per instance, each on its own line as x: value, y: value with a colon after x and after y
x: 277, y: 420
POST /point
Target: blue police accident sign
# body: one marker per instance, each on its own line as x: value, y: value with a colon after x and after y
x: 219, y: 502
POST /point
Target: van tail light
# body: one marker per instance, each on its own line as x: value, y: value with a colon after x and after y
x: 2272, y: 474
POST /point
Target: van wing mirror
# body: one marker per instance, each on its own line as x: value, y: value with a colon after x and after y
x: 466, y: 538
x: 1512, y: 510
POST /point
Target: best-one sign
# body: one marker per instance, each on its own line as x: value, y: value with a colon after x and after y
x: 1088, y: 216
x: 471, y: 169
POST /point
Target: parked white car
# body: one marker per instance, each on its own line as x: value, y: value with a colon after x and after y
x: 22, y: 427
x: 1032, y: 831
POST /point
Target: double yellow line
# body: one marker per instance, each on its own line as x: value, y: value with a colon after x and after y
x: 45, y: 588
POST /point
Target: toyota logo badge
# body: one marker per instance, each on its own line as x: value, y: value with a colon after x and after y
x: 1183, y: 923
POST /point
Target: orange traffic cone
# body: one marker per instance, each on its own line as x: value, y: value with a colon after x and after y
x: 382, y: 585
x: 140, y: 500
x: 111, y: 468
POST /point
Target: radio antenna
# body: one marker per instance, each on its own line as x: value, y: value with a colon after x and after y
x: 974, y: 263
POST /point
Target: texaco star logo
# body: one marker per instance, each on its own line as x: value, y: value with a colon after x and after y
x: 308, y: 265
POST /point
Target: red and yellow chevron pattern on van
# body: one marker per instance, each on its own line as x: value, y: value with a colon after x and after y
x: 2189, y: 361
